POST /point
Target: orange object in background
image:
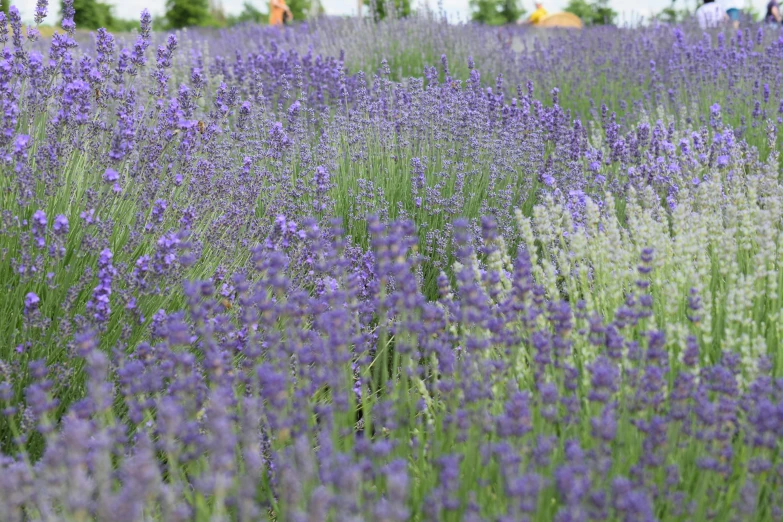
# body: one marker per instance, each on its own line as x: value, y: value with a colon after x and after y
x: 277, y: 12
x: 561, y: 20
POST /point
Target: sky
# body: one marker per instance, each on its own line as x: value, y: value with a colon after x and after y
x: 630, y: 10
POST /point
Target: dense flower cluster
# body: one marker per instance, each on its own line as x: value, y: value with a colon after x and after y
x: 267, y: 278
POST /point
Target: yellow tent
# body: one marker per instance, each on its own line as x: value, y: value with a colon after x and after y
x: 561, y: 20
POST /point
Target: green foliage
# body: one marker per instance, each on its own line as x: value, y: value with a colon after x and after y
x: 668, y: 15
x: 4, y: 5
x: 159, y: 23
x: 580, y: 8
x: 672, y: 14
x: 185, y: 13
x: 496, y: 12
x: 596, y: 12
x: 217, y: 15
x: 383, y: 8
x: 299, y: 8
x: 249, y: 14
x: 91, y: 14
x: 512, y: 10
x: 122, y: 25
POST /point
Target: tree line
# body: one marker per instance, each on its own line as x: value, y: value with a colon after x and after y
x: 93, y: 14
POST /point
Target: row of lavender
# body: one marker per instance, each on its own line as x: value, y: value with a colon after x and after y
x: 678, y: 70
x: 266, y: 284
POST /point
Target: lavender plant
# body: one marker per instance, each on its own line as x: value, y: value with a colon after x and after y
x: 313, y: 275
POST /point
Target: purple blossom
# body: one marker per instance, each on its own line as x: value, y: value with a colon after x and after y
x: 41, y: 8
x: 60, y: 226
x: 31, y: 302
x: 3, y: 28
x: 21, y: 146
x: 322, y: 180
x: 68, y: 13
x: 110, y: 176
x: 100, y: 305
x: 39, y: 223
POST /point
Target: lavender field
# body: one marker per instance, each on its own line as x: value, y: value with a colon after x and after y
x: 385, y: 272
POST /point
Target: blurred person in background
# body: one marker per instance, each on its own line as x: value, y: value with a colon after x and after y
x: 733, y: 12
x: 711, y: 14
x: 773, y: 13
x: 279, y: 13
x: 537, y: 15
x: 734, y: 15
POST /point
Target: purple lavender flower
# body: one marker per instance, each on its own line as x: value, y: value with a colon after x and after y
x: 31, y: 302
x: 3, y: 28
x: 516, y: 420
x: 41, y: 8
x: 111, y: 175
x: 321, y: 180
x: 39, y: 222
x: 604, y: 381
x: 605, y: 426
x: 157, y: 214
x: 691, y: 354
x: 68, y: 13
x: 100, y: 304
x: 16, y: 26
x: 21, y: 146
x: 715, y: 115
x: 166, y: 251
x: 60, y: 226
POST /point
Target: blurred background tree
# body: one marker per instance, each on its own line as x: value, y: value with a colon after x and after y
x: 184, y: 13
x: 380, y: 9
x: 93, y: 14
x: 211, y: 13
x: 496, y: 12
x: 299, y: 8
x: 217, y: 14
x: 4, y: 5
x: 249, y: 14
x: 512, y: 11
x: 674, y: 13
x: 596, y: 12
